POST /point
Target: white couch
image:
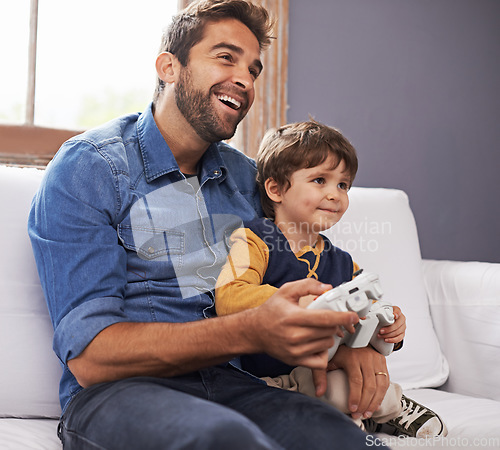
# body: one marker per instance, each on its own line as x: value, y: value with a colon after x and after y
x: 452, y: 309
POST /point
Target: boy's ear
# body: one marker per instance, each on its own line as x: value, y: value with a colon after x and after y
x: 273, y: 191
x: 167, y: 67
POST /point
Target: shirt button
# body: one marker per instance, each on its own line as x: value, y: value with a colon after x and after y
x: 216, y: 173
x: 151, y: 250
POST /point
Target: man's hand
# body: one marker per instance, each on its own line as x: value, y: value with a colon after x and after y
x: 368, y: 378
x: 297, y: 336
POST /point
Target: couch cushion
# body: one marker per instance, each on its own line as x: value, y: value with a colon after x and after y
x: 30, y: 371
x: 464, y: 300
x: 29, y: 434
x: 466, y: 418
x: 379, y: 231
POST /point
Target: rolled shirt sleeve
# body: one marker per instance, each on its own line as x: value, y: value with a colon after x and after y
x: 81, y: 266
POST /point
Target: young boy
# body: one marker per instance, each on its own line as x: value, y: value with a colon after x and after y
x: 305, y: 171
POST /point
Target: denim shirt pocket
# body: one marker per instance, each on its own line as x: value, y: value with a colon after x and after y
x: 153, y: 244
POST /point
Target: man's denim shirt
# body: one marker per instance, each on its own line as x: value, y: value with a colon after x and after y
x: 120, y: 235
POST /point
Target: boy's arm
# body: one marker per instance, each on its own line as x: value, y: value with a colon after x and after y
x: 239, y: 286
x: 355, y: 268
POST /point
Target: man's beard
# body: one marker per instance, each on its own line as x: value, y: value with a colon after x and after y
x: 198, y: 110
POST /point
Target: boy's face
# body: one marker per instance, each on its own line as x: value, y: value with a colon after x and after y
x: 316, y: 199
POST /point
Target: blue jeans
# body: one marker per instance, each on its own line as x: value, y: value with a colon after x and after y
x: 216, y: 408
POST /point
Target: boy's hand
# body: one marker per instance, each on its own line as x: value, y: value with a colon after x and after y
x: 396, y: 332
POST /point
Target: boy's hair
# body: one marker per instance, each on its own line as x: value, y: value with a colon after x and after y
x: 297, y: 146
x: 188, y: 26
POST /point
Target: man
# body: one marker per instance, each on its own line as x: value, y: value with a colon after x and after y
x: 129, y: 230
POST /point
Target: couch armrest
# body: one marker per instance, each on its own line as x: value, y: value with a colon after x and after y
x: 464, y: 300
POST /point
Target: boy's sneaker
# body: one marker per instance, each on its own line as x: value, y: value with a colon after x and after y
x: 415, y: 420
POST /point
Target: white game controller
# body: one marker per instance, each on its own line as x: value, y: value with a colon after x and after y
x: 361, y: 295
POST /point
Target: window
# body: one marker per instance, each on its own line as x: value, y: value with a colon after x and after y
x: 95, y: 61
x: 14, y: 37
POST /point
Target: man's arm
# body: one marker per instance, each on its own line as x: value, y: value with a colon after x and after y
x: 279, y: 327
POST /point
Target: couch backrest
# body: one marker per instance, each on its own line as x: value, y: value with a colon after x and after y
x: 30, y: 371
x: 379, y: 231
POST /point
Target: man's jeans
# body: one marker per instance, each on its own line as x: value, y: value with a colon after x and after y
x: 216, y: 408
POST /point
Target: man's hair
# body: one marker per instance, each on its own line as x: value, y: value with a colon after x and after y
x: 296, y: 146
x: 188, y: 26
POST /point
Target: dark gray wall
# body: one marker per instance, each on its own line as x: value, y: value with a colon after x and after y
x: 415, y: 86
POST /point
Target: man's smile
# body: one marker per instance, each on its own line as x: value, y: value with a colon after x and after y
x: 229, y: 101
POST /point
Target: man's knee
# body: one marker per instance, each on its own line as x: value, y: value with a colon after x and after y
x: 234, y: 431
x: 219, y: 432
